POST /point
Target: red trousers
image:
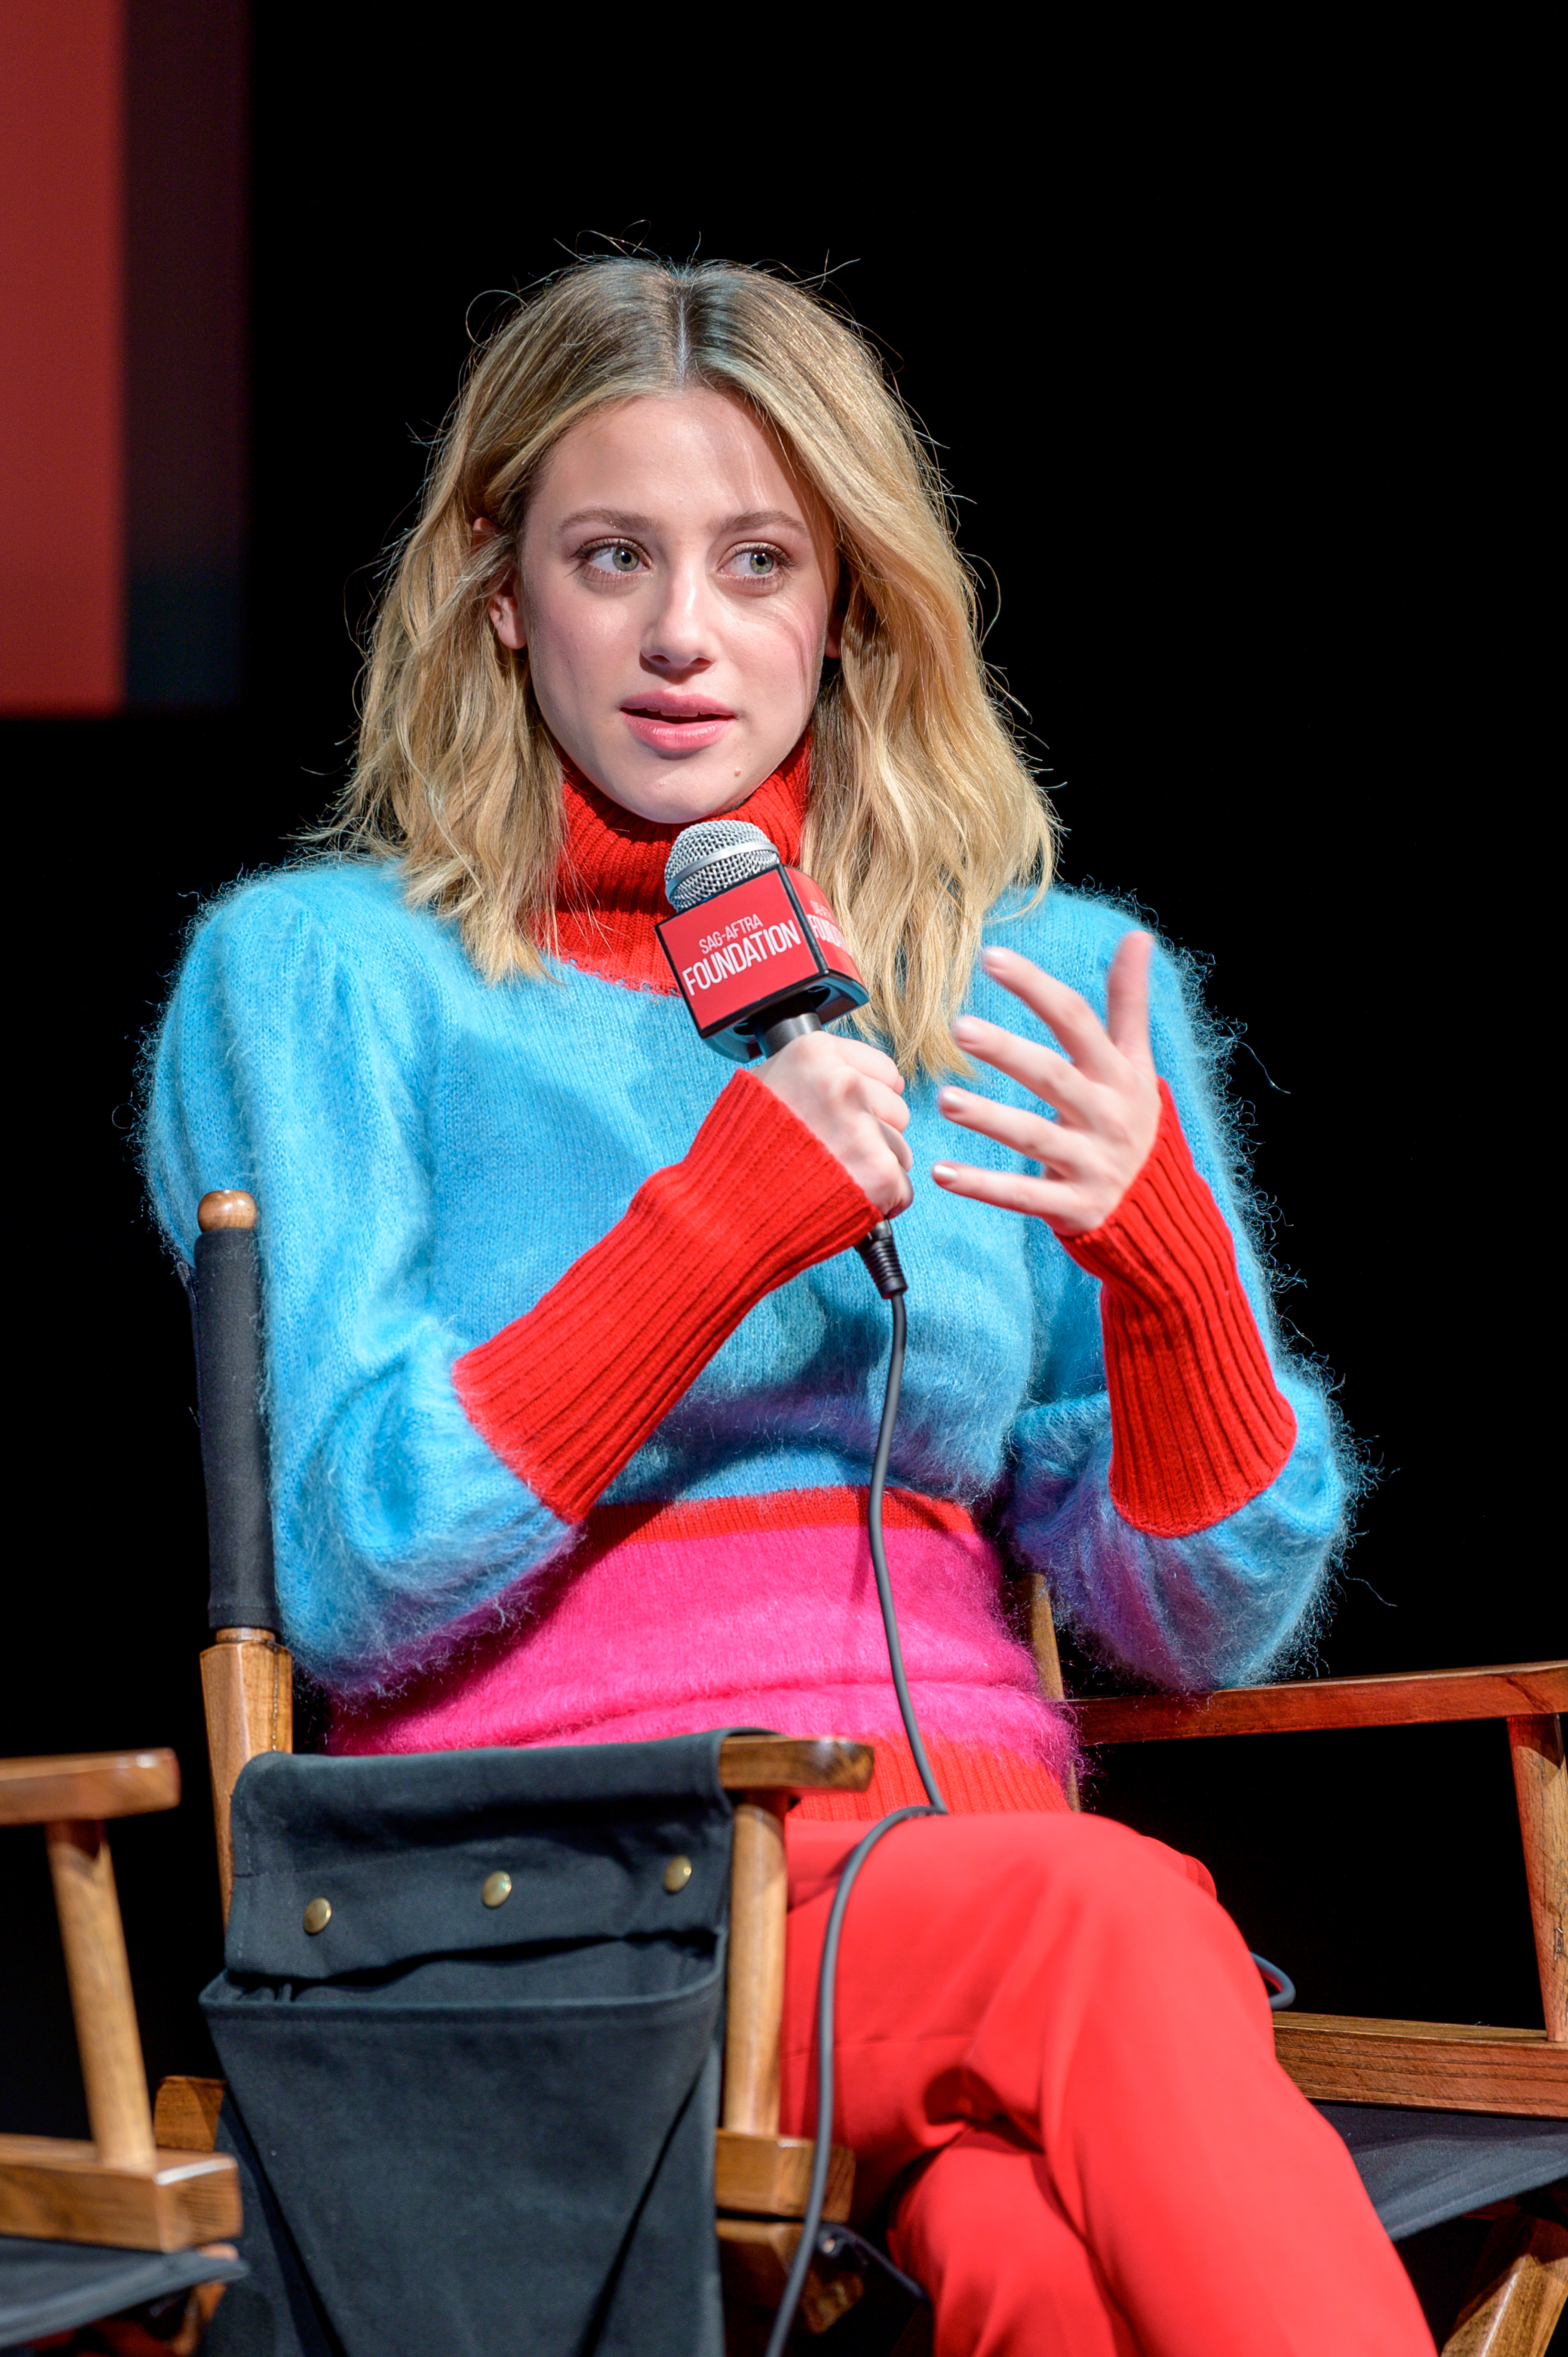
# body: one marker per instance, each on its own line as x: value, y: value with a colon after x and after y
x: 1058, y: 2040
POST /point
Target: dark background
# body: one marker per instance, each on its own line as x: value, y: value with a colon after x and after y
x: 1243, y: 426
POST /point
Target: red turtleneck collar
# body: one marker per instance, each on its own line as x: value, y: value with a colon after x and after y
x: 611, y: 890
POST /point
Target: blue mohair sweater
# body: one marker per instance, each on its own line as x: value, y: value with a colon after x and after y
x: 430, y: 1154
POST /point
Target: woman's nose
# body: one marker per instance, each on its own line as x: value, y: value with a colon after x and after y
x: 679, y: 636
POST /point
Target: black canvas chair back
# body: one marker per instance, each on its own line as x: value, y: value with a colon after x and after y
x: 469, y: 2024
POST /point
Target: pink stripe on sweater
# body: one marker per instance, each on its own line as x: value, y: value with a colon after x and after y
x: 773, y: 1626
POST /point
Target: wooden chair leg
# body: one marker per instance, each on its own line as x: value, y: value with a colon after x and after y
x: 247, y: 1686
x: 1541, y: 1783
x: 758, y: 1903
x: 757, y: 2173
x: 1048, y: 1659
x: 100, y: 1975
x: 1517, y: 2292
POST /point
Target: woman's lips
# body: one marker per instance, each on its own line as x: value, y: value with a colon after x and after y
x: 677, y: 728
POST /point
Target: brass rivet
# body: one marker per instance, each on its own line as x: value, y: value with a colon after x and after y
x: 677, y: 1874
x: 496, y: 1890
x: 318, y: 1916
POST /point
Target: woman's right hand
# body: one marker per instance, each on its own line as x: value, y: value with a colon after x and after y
x: 852, y: 1097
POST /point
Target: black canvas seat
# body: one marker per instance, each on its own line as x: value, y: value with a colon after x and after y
x: 1423, y: 2169
x: 48, y: 2287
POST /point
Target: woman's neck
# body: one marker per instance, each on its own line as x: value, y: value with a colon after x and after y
x: 610, y: 892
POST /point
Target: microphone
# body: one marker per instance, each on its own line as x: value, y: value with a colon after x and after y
x: 752, y: 944
x: 757, y: 956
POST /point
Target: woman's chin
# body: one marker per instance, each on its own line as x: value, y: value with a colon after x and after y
x: 677, y: 791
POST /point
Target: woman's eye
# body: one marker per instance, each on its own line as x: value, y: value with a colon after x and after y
x: 756, y: 564
x: 617, y: 556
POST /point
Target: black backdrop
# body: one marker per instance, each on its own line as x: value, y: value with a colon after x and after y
x: 1244, y: 454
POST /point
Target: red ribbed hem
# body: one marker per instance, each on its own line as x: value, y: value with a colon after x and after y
x: 1199, y: 1424
x: 568, y: 1394
x: 974, y: 1783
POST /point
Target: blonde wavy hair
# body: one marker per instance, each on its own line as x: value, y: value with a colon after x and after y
x: 920, y: 810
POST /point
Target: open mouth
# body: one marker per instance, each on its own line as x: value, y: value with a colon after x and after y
x: 677, y: 711
x: 675, y: 725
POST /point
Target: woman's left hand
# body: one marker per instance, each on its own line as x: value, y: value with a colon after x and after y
x: 1104, y: 1092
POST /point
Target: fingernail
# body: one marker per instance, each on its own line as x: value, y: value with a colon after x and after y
x: 944, y: 1173
x: 965, y: 1028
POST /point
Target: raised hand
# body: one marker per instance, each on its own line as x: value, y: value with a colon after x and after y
x: 1103, y: 1092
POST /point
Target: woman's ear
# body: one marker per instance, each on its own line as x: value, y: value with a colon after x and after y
x: 505, y: 607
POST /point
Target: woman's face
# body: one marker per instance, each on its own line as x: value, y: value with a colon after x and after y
x: 676, y: 599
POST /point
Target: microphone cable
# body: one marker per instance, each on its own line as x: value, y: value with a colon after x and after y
x: 882, y: 1260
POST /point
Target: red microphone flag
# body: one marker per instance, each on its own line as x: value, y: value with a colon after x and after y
x: 743, y: 954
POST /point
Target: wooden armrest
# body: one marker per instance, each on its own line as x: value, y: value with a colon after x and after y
x: 89, y: 1784
x: 1445, y: 2066
x: 57, y: 2190
x: 779, y: 1763
x: 1407, y: 1698
x: 769, y: 2177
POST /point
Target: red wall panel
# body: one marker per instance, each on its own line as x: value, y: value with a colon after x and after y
x: 62, y: 345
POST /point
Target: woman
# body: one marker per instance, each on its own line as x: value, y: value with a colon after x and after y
x: 574, y: 1389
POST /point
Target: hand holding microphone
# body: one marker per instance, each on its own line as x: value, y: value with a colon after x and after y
x: 851, y: 1097
x: 759, y: 960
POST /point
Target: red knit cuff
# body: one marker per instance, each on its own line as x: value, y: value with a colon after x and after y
x: 1197, y: 1423
x: 568, y: 1394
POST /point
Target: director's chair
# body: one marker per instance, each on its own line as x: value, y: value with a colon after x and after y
x: 642, y: 1825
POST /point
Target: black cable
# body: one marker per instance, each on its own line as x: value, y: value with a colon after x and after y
x: 1280, y: 1985
x: 810, y: 2224
x: 879, y: 1555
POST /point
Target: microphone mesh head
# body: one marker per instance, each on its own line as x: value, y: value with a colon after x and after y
x: 711, y: 856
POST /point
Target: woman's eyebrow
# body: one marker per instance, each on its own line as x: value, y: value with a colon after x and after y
x: 759, y: 519
x: 620, y: 519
